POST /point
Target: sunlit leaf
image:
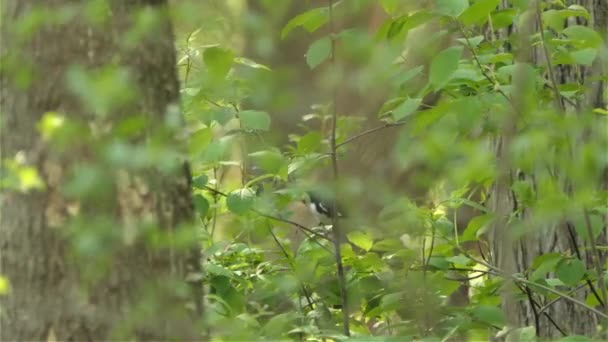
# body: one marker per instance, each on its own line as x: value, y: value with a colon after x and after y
x: 4, y: 286
x: 361, y: 240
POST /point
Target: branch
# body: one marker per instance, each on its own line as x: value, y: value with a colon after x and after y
x: 369, y: 131
x: 334, y: 161
x: 531, y: 283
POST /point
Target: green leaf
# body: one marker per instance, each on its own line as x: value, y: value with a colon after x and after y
x: 269, y: 160
x: 218, y: 60
x: 570, y: 271
x: 310, y: 142
x: 580, y: 225
x: 439, y: 262
x: 451, y: 8
x: 443, y: 66
x: 240, y: 201
x: 544, y: 264
x: 255, y: 120
x: 584, y: 56
x: 318, y: 52
x: 201, y: 205
x: 199, y: 141
x: 406, y: 108
x: 478, y: 12
x: 199, y: 182
x: 489, y: 314
x: 390, y: 6
x: 277, y: 326
x: 310, y: 20
x: 361, y: 240
x: 459, y: 260
x: 556, y: 19
x: 583, y: 36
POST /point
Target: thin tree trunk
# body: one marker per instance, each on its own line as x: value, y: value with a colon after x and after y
x: 119, y: 287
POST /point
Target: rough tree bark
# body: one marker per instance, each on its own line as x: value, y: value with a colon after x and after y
x: 141, y: 293
x: 518, y: 255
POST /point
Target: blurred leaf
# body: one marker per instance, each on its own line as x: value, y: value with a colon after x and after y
x: 544, y: 264
x: 4, y: 286
x: 390, y: 6
x: 201, y: 205
x: 250, y: 63
x: 311, y: 20
x: 278, y: 325
x: 200, y: 181
x: 240, y: 201
x: 269, y: 160
x: 310, y: 142
x: 199, y: 141
x: 584, y: 56
x: 477, y: 226
x: 255, y: 120
x: 318, y: 52
x: 443, y: 66
x: 459, y: 260
x: 583, y: 36
x: 218, y: 60
x: 478, y: 12
x: 489, y: 314
x: 29, y: 179
x: 406, y: 108
x: 570, y: 271
x: 361, y: 240
x: 451, y: 8
x: 49, y: 123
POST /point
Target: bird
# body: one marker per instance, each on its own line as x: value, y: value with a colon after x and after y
x: 322, y: 208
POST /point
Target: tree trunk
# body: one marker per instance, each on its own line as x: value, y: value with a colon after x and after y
x: 81, y: 267
x: 517, y: 255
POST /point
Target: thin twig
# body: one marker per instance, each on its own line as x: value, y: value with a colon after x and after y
x: 334, y: 161
x: 531, y: 283
x: 280, y: 219
x: 558, y: 97
x: 528, y: 292
x: 369, y: 131
x: 290, y: 261
x: 557, y: 299
x: 577, y: 251
x: 596, y: 261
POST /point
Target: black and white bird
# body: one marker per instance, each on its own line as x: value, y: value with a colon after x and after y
x: 322, y: 208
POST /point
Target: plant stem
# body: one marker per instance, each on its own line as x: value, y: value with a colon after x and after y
x: 334, y: 162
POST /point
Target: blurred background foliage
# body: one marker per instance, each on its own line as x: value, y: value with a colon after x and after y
x: 258, y: 86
